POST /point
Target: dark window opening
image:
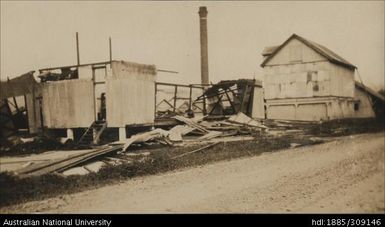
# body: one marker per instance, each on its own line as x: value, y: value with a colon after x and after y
x: 356, y: 106
x: 315, y: 87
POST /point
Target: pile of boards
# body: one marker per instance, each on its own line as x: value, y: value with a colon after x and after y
x: 198, y: 130
x: 188, y: 130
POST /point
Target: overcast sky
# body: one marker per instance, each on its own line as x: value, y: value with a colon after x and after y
x: 42, y: 34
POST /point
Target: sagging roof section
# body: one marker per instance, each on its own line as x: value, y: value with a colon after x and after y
x: 270, y: 52
x: 20, y: 85
x: 370, y: 91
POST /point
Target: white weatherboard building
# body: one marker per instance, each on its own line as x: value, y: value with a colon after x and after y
x: 306, y: 81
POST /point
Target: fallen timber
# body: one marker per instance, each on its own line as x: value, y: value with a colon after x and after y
x: 67, y: 162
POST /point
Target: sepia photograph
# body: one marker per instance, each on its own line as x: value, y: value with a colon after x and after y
x: 192, y: 107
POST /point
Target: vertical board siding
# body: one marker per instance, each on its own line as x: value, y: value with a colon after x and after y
x: 68, y: 104
x: 33, y: 109
x: 342, y: 81
x: 258, y: 110
x: 130, y: 95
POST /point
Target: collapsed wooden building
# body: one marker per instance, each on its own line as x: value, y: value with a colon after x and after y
x: 303, y: 81
x: 74, y: 97
x: 80, y: 102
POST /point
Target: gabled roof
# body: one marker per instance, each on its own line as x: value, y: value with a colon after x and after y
x: 370, y: 91
x: 270, y: 52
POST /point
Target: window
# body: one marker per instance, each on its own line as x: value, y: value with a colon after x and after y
x: 356, y: 106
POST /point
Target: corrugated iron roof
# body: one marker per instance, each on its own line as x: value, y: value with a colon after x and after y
x: 325, y: 52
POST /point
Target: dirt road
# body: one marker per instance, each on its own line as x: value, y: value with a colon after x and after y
x: 346, y: 175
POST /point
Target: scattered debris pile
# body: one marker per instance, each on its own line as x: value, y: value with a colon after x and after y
x: 229, y: 97
x: 188, y: 132
x: 13, y: 108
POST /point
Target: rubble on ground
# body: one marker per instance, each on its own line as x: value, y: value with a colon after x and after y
x: 197, y: 131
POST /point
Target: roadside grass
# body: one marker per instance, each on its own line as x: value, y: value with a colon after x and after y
x: 15, y: 190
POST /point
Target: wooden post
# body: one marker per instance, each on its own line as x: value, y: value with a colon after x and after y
x: 40, y: 99
x: 122, y: 134
x: 156, y: 91
x: 190, y: 98
x: 175, y: 92
x: 77, y: 48
x: 26, y: 112
x: 204, y: 103
x: 110, y: 49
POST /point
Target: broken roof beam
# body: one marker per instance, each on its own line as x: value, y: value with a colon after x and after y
x: 95, y: 64
x: 74, y: 66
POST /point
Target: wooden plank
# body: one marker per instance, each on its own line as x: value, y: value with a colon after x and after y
x: 191, y: 123
x: 175, y: 93
x: 67, y: 162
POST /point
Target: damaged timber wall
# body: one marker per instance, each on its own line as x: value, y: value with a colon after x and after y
x: 68, y: 104
x: 33, y: 108
x: 130, y: 94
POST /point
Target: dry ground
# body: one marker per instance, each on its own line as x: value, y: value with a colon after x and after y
x: 346, y: 175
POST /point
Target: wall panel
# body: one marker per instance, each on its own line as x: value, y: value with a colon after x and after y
x: 130, y: 94
x: 68, y: 104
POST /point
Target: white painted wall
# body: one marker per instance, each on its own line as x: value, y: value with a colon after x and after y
x: 297, y: 80
x: 130, y: 94
x: 342, y: 81
x: 293, y: 48
x: 365, y: 109
x: 258, y: 109
x: 311, y: 109
x: 33, y: 109
x: 311, y: 75
x: 68, y: 104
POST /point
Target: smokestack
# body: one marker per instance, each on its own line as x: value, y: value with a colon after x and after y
x: 204, y: 45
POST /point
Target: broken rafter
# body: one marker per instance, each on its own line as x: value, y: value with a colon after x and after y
x: 94, y: 64
x: 216, y: 104
x: 216, y: 94
x: 231, y: 103
x: 191, y: 123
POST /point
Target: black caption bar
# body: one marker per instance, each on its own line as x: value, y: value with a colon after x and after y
x: 314, y: 220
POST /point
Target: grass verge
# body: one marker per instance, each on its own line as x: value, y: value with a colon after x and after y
x: 15, y: 190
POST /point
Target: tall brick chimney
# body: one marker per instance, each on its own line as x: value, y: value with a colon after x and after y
x: 204, y: 45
